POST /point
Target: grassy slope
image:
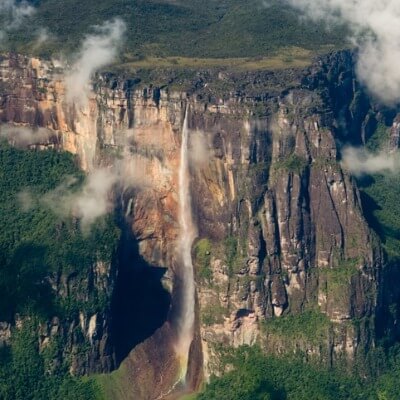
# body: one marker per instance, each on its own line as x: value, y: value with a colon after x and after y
x: 285, y: 58
x: 193, y: 29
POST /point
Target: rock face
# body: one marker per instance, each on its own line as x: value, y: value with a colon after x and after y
x: 89, y: 332
x: 282, y: 230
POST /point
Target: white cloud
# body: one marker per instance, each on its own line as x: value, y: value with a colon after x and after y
x: 97, y: 50
x: 199, y: 152
x: 24, y: 135
x: 360, y: 162
x: 25, y: 200
x: 90, y: 202
x: 95, y: 198
x: 375, y: 27
x: 13, y: 15
x: 42, y: 37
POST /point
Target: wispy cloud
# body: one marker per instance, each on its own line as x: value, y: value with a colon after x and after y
x: 199, y: 150
x: 13, y: 14
x: 24, y: 135
x: 42, y: 38
x: 95, y: 197
x: 361, y: 162
x: 88, y: 203
x: 375, y: 28
x: 98, y: 49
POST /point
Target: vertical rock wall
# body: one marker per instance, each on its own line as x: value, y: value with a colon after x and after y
x: 281, y: 230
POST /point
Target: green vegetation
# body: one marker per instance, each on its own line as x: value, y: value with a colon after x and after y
x: 213, y: 314
x: 379, y: 139
x: 299, y: 58
x: 189, y: 397
x: 111, y: 384
x: 292, y: 163
x: 202, y: 260
x: 253, y: 376
x: 340, y: 275
x: 198, y: 29
x: 35, y: 242
x: 36, y: 246
x: 231, y: 252
x: 256, y: 181
x: 311, y: 326
x: 338, y: 279
x: 24, y: 372
x: 380, y: 195
x: 322, y: 163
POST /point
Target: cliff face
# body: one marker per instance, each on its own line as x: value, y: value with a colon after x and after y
x: 85, y: 337
x: 298, y: 244
x: 282, y: 235
x: 89, y: 332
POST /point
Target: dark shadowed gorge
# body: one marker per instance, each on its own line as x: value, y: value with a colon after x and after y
x: 140, y: 304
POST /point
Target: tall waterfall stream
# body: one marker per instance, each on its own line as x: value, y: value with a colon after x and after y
x: 186, y: 238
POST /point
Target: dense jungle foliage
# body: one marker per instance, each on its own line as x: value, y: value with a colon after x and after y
x: 253, y: 376
x: 197, y: 28
x: 37, y: 245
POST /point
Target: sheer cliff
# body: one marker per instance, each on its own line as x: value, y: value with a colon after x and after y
x: 284, y: 257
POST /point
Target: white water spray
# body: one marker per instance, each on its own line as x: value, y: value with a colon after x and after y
x: 187, y: 236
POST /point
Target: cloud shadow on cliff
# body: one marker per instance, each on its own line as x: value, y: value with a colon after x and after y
x: 141, y: 304
x: 369, y: 207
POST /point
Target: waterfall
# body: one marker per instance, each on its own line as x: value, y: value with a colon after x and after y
x: 186, y: 237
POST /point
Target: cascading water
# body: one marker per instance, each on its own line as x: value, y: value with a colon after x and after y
x: 187, y: 235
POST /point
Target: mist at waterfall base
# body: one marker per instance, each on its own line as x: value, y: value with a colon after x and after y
x: 185, y: 285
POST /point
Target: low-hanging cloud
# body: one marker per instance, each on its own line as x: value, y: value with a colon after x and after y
x: 90, y: 202
x: 26, y: 200
x: 25, y: 135
x: 14, y: 13
x: 375, y: 27
x: 98, y: 50
x: 362, y: 162
x: 42, y: 38
x: 199, y: 151
x: 94, y: 198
